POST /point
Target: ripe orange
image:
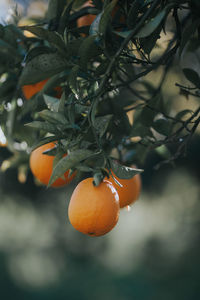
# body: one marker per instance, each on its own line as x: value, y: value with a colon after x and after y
x: 130, y: 190
x: 94, y: 210
x: 31, y: 89
x: 41, y: 166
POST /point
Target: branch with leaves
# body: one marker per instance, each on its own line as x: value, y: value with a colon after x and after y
x: 91, y: 77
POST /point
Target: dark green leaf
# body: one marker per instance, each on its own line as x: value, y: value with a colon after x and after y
x: 151, y: 25
x: 147, y: 116
x: 51, y: 36
x: 89, y: 49
x: 123, y: 172
x: 55, y: 9
x: 44, y: 141
x: 133, y: 13
x: 52, y: 102
x: 47, y: 127
x: 41, y: 67
x: 78, y: 3
x: 181, y: 114
x: 9, y: 51
x: 101, y: 69
x: 73, y: 47
x: 83, y: 168
x: 101, y: 124
x: 52, y: 117
x: 58, y: 156
x: 188, y: 33
x: 37, y: 51
x: 192, y: 76
x: 149, y: 42
x: 94, y: 27
x: 162, y: 126
x: 68, y: 162
x: 55, y: 81
x: 64, y: 20
x: 73, y: 81
x: 61, y: 104
x: 106, y: 17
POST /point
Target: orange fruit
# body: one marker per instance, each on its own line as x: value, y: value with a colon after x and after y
x: 31, y: 89
x: 94, y: 210
x: 2, y: 144
x: 41, y: 166
x: 130, y: 190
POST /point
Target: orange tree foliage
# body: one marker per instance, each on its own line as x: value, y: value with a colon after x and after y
x: 102, y: 71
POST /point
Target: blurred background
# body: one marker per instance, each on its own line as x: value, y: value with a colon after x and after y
x: 152, y: 253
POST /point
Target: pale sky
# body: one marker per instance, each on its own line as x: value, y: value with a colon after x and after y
x: 3, y: 9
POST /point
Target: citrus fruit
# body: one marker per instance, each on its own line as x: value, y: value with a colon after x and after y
x: 94, y: 210
x: 129, y: 191
x: 3, y: 144
x: 30, y: 90
x: 41, y: 166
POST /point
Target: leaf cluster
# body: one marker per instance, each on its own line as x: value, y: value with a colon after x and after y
x: 101, y: 70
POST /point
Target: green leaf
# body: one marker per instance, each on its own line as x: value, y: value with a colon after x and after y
x: 147, y: 116
x: 58, y: 156
x: 47, y: 127
x: 61, y: 104
x: 148, y: 43
x: 51, y: 36
x: 73, y: 81
x: 41, y: 67
x: 51, y: 151
x: 55, y: 81
x: 73, y: 47
x: 55, y: 9
x: 94, y: 27
x: 31, y: 105
x: 89, y: 49
x: 9, y: 51
x: 106, y: 17
x: 53, y: 117
x: 123, y: 172
x: 52, y: 103
x: 64, y: 20
x: 10, y: 36
x: 83, y: 168
x: 149, y: 28
x: 192, y: 76
x: 101, y: 124
x: 44, y: 141
x: 133, y: 13
x: 78, y: 3
x: 7, y: 87
x: 101, y: 69
x: 68, y: 162
x: 123, y: 34
x: 37, y: 51
x: 162, y: 126
x: 188, y: 33
x: 181, y: 114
